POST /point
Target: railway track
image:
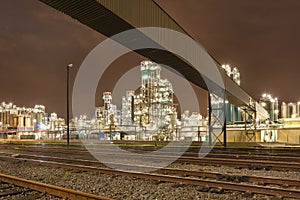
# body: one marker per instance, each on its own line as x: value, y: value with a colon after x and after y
x: 252, y: 166
x: 255, y: 162
x: 12, y: 185
x: 12, y: 191
x: 214, y: 175
x: 290, y: 152
x: 215, y: 161
x: 221, y: 181
x: 255, y: 154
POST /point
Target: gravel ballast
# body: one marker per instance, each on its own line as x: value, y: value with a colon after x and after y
x: 119, y: 187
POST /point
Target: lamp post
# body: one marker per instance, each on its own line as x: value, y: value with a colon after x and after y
x: 68, y: 113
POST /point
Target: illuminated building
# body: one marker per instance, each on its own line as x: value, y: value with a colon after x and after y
x: 154, y: 103
x: 271, y: 105
x: 107, y: 116
x: 128, y: 108
x: 22, y: 122
x: 150, y: 110
x: 290, y: 114
x: 234, y: 73
x: 152, y: 106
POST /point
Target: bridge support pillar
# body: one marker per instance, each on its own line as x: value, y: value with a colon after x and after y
x: 216, y: 119
x: 250, y: 123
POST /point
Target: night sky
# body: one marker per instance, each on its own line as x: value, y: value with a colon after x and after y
x: 259, y: 37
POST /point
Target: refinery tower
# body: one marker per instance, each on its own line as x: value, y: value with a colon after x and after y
x: 152, y: 106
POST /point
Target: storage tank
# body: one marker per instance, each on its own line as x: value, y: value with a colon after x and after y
x: 237, y: 116
x: 229, y: 113
x: 292, y: 110
x: 271, y: 109
x: 20, y: 121
x: 298, y: 109
x: 27, y: 121
x: 284, y: 110
x: 271, y: 105
x: 276, y: 110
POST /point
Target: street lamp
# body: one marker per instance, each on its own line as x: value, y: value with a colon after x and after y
x: 68, y: 113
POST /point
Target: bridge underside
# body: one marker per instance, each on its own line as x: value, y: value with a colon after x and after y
x: 107, y: 18
x: 112, y: 17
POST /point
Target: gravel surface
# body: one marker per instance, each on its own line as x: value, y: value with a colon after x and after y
x: 25, y: 193
x: 220, y: 169
x: 241, y: 171
x: 118, y: 187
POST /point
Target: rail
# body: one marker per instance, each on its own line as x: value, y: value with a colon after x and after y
x: 50, y: 189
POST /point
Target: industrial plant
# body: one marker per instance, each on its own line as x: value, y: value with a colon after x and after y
x: 137, y: 132
x: 29, y: 123
x: 150, y: 113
